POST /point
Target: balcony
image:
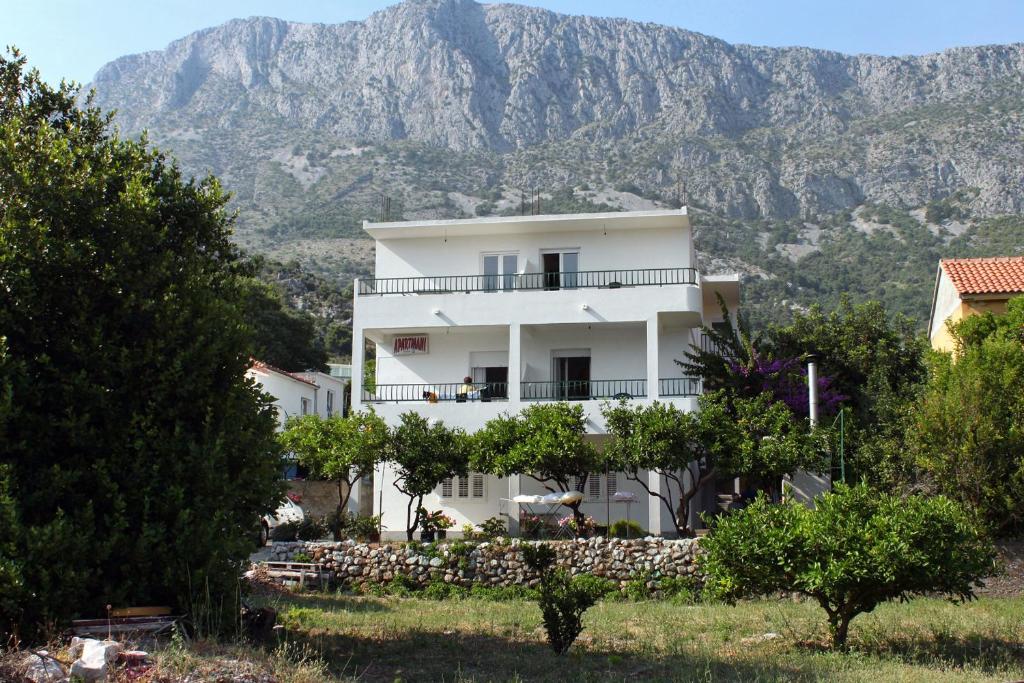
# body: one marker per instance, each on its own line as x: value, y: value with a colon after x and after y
x: 574, y: 390
x: 585, y: 279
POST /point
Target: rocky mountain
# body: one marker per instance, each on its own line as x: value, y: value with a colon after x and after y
x: 455, y: 108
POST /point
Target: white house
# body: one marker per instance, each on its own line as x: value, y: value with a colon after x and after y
x: 300, y: 393
x: 584, y: 307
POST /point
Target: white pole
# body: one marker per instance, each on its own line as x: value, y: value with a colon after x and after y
x: 812, y: 391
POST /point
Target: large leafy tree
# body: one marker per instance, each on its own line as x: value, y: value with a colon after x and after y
x: 342, y: 449
x: 425, y: 453
x: 857, y: 548
x: 967, y: 433
x: 546, y: 442
x: 135, y: 457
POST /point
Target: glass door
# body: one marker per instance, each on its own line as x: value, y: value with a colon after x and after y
x: 572, y: 377
x: 500, y: 270
x: 560, y: 269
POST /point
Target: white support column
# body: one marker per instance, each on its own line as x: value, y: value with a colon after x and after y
x: 652, y: 357
x: 654, y: 503
x: 513, y: 508
x: 358, y: 352
x: 515, y: 363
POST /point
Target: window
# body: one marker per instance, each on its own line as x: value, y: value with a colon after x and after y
x: 594, y: 487
x: 500, y: 270
x: 304, y: 406
x: 330, y: 403
x: 560, y: 269
x: 613, y: 484
x: 464, y: 488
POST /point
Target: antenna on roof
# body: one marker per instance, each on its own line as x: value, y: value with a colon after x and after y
x: 385, y: 208
x: 681, y: 192
x: 535, y: 208
x: 522, y: 202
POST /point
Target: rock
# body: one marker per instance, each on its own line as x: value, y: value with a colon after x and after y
x: 40, y: 667
x: 96, y: 656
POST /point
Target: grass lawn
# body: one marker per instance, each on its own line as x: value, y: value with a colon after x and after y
x: 389, y: 639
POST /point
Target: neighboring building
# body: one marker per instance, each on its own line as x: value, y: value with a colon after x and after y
x: 969, y: 286
x: 586, y: 307
x: 304, y: 393
x: 301, y: 393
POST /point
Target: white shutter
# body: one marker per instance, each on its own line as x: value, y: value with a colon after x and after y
x: 576, y: 483
x: 446, y: 488
x: 594, y: 486
x: 478, y: 485
x: 613, y: 484
x: 463, y: 487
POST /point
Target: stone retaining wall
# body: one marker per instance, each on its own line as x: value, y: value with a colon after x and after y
x: 496, y: 563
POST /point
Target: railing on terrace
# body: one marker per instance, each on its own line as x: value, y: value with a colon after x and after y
x: 679, y: 386
x: 709, y: 345
x: 433, y: 393
x: 584, y: 279
x: 584, y: 390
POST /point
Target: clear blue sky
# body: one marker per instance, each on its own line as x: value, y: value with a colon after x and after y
x: 74, y: 38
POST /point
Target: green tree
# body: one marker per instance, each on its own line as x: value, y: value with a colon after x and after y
x: 770, y: 443
x: 876, y: 361
x: 757, y: 437
x: 857, y: 548
x: 339, y: 449
x: 136, y: 458
x: 972, y: 331
x: 283, y: 337
x: 676, y: 445
x: 424, y: 455
x: 968, y: 431
x: 546, y: 442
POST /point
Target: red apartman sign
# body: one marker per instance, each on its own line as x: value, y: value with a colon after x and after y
x: 408, y: 345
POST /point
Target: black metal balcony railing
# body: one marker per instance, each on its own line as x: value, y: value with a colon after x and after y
x: 584, y: 390
x: 709, y: 345
x: 433, y: 393
x: 679, y: 386
x: 584, y: 279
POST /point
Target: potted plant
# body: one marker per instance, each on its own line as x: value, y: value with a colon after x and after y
x: 584, y: 529
x: 434, y: 524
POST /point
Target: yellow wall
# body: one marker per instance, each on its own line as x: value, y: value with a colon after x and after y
x: 943, y: 340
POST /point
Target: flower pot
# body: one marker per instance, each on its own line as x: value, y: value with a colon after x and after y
x: 427, y: 536
x: 442, y: 534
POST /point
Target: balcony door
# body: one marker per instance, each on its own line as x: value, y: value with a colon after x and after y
x: 560, y: 268
x: 500, y: 271
x: 571, y: 372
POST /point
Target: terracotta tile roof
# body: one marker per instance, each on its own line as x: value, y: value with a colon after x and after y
x: 260, y: 365
x: 1004, y: 274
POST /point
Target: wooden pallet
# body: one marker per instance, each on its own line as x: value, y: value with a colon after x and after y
x: 123, y: 625
x: 299, y: 573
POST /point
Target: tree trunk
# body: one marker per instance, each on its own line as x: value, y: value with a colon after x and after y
x: 839, y: 628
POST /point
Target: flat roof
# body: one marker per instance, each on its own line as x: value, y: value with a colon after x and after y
x: 498, y: 225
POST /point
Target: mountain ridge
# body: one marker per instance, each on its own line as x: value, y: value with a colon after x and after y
x: 455, y: 108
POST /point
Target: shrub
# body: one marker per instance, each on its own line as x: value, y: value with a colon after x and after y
x: 562, y: 599
x: 493, y: 527
x: 285, y: 532
x: 301, y: 557
x: 622, y: 528
x: 596, y: 585
x: 439, y: 590
x: 502, y: 593
x: 311, y: 529
x: 855, y: 550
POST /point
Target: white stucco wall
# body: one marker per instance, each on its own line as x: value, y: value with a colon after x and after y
x: 287, y: 391
x: 618, y: 249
